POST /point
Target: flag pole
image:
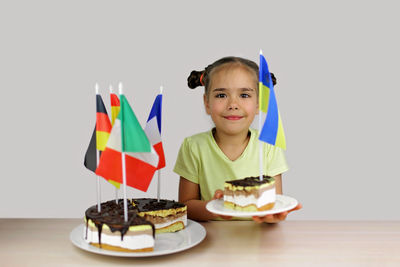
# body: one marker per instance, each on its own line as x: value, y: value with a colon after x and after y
x: 123, y: 155
x: 159, y: 171
x: 260, y: 127
x: 116, y: 189
x: 97, y: 161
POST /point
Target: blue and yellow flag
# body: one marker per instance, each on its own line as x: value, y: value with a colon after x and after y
x: 272, y: 130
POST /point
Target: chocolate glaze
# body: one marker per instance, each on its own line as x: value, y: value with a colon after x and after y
x: 251, y: 181
x: 151, y: 204
x: 112, y: 214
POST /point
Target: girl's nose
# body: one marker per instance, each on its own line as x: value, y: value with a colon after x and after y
x: 233, y: 105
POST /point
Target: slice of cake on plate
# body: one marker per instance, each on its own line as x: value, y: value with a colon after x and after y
x: 250, y: 194
x: 108, y: 230
x: 166, y: 215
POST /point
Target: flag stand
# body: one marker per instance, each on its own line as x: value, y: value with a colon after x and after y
x: 158, y: 185
x: 98, y: 185
x: 261, y: 147
x: 159, y: 171
x: 97, y: 163
x: 124, y: 188
x: 116, y: 189
x: 123, y: 158
x: 259, y: 130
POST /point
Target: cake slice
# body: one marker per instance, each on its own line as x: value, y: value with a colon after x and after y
x: 108, y: 230
x: 166, y: 215
x: 250, y: 194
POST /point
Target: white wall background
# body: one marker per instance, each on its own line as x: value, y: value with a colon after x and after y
x: 337, y: 66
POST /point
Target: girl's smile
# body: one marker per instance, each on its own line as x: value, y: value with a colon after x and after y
x: 233, y: 118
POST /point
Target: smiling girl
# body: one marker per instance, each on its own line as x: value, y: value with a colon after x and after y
x: 230, y: 150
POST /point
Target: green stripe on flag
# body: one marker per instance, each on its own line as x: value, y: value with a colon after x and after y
x: 134, y: 138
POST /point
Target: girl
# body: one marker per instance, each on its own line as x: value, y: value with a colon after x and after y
x: 230, y: 150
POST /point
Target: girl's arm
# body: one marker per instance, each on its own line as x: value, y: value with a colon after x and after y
x: 189, y: 194
x: 278, y: 184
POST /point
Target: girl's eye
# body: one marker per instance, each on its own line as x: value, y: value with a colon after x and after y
x: 245, y: 95
x: 220, y: 95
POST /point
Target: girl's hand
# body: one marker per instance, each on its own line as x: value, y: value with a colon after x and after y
x: 217, y: 195
x: 275, y: 218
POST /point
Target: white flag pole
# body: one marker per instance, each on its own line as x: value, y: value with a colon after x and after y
x: 123, y: 159
x: 97, y: 161
x: 116, y: 189
x: 159, y: 171
x: 259, y: 130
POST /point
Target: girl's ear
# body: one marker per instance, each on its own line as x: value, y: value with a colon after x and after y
x: 206, y: 104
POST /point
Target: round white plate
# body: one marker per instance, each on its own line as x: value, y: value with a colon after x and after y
x: 167, y: 243
x: 282, y: 203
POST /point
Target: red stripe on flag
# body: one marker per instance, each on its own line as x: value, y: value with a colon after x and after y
x: 110, y: 165
x: 114, y: 100
x: 138, y: 173
x: 160, y: 151
x: 103, y: 122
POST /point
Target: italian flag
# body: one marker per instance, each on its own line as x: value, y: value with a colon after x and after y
x: 141, y: 159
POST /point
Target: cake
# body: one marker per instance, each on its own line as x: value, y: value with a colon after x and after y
x: 250, y: 194
x: 108, y: 229
x: 166, y: 215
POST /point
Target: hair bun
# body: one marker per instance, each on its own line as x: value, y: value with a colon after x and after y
x: 273, y: 78
x: 194, y: 79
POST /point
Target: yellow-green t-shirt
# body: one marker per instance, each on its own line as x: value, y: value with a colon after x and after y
x: 201, y: 161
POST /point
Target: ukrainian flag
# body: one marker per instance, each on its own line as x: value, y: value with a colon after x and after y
x: 272, y: 130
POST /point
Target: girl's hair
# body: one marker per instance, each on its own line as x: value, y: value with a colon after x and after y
x: 203, y: 78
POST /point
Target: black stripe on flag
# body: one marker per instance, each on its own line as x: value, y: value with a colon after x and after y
x: 90, y: 160
x: 100, y: 105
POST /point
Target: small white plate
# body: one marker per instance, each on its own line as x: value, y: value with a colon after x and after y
x: 282, y: 203
x: 166, y: 243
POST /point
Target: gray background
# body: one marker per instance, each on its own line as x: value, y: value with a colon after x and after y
x: 338, y: 88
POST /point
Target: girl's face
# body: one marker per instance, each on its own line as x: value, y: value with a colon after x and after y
x: 232, y: 99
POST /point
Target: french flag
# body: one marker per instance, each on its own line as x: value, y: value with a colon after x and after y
x: 153, y: 130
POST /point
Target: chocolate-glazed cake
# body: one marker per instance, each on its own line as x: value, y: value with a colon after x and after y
x: 250, y: 194
x: 166, y: 215
x: 108, y: 230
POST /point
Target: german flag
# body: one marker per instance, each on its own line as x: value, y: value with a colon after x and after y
x: 100, y: 135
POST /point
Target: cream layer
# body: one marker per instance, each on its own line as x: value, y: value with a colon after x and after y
x: 182, y: 218
x: 128, y: 241
x: 266, y: 197
x: 229, y: 198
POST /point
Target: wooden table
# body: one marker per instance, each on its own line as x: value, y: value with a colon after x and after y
x: 45, y: 242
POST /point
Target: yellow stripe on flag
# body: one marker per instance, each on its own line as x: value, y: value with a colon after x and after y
x: 263, y: 97
x: 101, y: 140
x: 114, y: 113
x: 280, y: 136
x: 116, y: 184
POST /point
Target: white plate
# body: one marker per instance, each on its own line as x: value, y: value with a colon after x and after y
x: 167, y: 243
x: 282, y: 203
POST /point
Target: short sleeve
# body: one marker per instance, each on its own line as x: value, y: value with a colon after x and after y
x: 187, y: 164
x: 276, y: 161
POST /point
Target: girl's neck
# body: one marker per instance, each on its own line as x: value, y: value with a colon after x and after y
x: 231, y: 145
